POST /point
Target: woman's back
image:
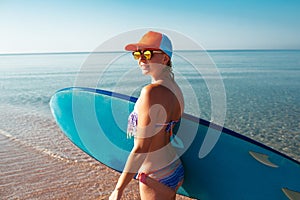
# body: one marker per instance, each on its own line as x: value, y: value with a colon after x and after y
x: 167, y: 107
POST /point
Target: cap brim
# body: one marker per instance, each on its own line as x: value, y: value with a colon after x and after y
x: 138, y: 46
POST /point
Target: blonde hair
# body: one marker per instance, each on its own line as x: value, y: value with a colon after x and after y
x: 169, y: 69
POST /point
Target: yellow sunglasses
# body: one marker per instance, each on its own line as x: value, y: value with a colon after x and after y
x: 147, y: 54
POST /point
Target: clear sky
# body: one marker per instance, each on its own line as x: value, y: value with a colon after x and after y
x: 82, y: 25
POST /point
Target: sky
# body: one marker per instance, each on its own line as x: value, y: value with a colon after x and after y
x: 38, y: 26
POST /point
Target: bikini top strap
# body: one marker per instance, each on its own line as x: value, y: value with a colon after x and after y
x: 169, y: 128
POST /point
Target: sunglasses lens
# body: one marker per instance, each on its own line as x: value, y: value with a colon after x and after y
x: 147, y: 54
x: 136, y: 55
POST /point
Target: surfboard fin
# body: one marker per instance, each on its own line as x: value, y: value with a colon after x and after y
x: 292, y: 195
x: 262, y: 158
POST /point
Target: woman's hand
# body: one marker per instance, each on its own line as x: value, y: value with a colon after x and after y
x: 116, y: 195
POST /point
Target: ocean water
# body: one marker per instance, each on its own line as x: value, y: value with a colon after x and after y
x: 255, y: 92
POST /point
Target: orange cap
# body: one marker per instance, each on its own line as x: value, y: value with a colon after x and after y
x: 154, y: 41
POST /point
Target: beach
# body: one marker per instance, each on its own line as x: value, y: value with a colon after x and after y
x: 37, y: 161
x: 31, y: 171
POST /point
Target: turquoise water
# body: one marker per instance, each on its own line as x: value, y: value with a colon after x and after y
x: 261, y: 90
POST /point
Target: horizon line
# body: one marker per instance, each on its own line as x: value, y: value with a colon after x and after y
x: 117, y: 51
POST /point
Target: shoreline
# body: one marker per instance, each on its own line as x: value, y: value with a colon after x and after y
x: 33, y: 169
x: 28, y: 174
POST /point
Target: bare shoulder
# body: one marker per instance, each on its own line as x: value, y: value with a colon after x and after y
x: 153, y: 91
x: 157, y: 94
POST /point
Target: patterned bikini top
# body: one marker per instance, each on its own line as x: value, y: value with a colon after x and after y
x: 133, y: 122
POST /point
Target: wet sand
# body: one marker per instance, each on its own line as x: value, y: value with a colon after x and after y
x: 38, y: 162
x: 28, y: 174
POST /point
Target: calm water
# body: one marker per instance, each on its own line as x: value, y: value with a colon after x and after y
x: 261, y: 87
x: 261, y: 93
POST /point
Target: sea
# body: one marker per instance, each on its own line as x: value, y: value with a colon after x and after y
x: 252, y: 92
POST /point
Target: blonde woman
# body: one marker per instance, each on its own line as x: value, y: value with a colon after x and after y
x: 158, y: 109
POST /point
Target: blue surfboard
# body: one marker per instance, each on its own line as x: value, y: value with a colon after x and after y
x: 237, y: 167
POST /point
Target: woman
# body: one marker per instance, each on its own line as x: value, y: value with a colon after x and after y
x: 156, y: 111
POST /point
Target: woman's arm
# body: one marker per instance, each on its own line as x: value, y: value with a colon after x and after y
x: 134, y: 162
